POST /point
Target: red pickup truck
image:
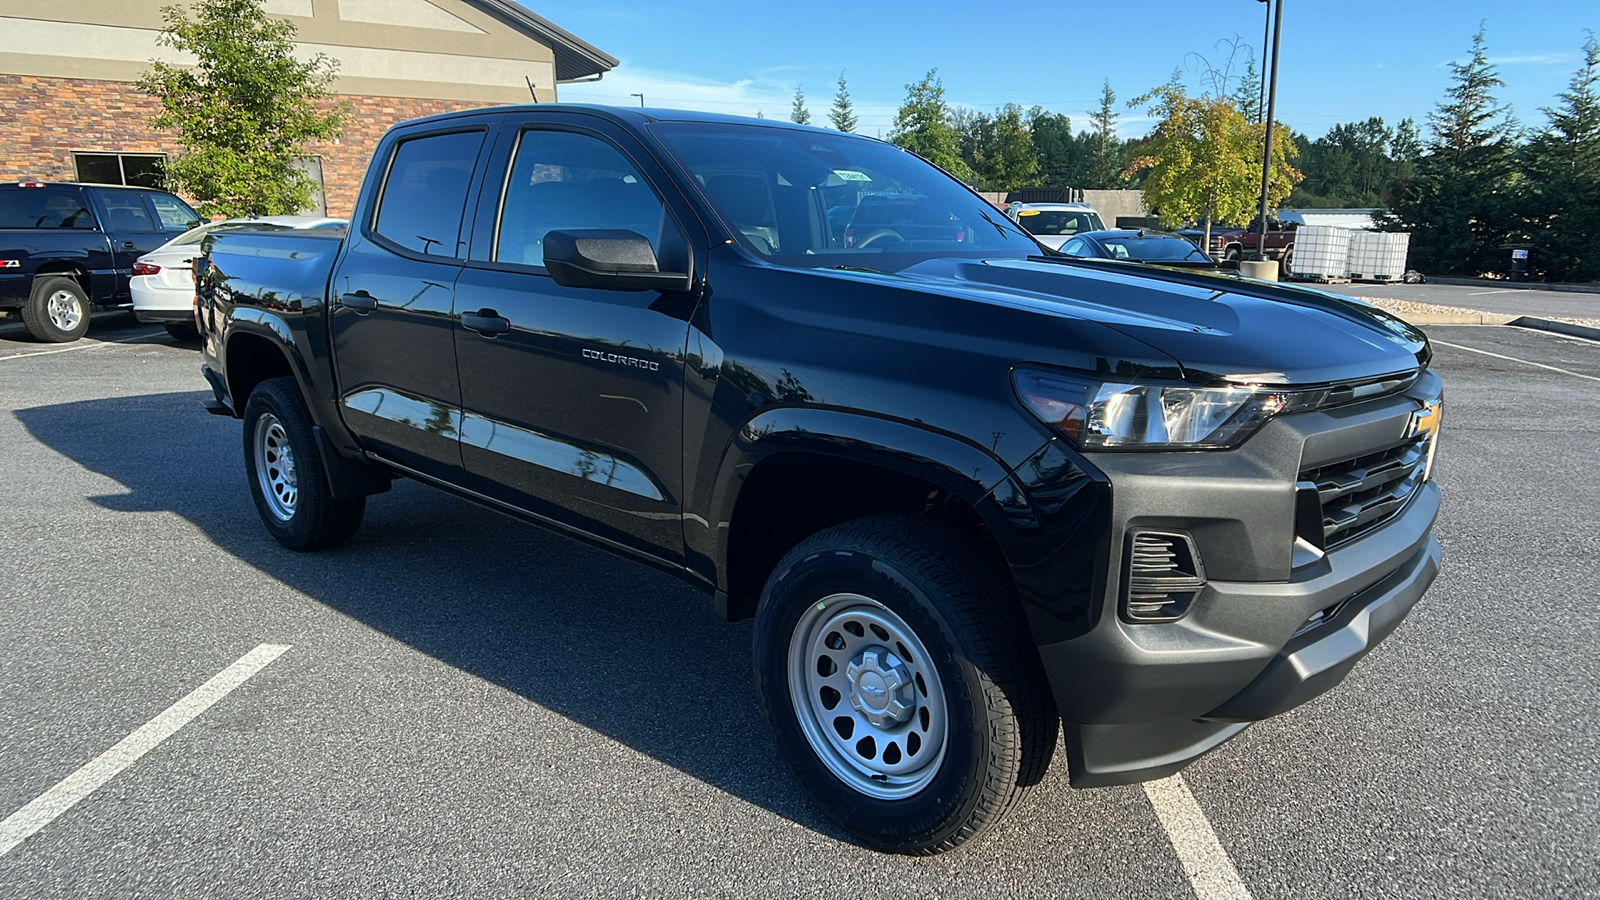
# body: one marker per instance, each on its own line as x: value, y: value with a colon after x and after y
x: 1240, y: 243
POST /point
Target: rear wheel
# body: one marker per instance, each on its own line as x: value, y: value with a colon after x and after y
x: 283, y: 466
x: 57, y: 311
x: 900, y: 684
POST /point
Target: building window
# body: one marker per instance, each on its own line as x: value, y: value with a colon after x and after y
x: 135, y: 169
x: 312, y: 167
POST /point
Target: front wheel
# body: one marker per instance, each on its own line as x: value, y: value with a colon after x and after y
x: 183, y: 331
x: 283, y: 466
x: 900, y: 684
x: 57, y: 310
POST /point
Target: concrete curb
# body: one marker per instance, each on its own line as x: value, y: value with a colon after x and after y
x: 1567, y: 328
x: 1517, y: 285
x: 1477, y: 318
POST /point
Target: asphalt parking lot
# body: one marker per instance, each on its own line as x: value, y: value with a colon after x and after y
x: 470, y: 707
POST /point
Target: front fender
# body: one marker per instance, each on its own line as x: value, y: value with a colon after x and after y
x: 948, y: 461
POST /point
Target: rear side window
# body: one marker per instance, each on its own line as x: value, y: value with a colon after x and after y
x: 175, y: 215
x: 425, y: 193
x: 125, y: 212
x: 44, y: 208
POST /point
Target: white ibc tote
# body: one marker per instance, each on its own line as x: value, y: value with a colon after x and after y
x: 1320, y: 251
x: 1378, y: 255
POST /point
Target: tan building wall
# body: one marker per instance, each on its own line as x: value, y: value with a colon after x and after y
x: 67, y: 69
x: 113, y: 117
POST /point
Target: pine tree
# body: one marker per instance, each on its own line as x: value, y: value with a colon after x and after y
x: 922, y: 125
x: 798, y: 113
x: 1248, y: 95
x: 1563, y: 162
x: 842, y: 116
x: 1458, y: 204
x: 1107, y: 152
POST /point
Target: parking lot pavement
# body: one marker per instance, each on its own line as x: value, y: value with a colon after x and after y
x: 472, y: 707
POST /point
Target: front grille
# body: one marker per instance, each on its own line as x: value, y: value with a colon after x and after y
x: 1361, y: 494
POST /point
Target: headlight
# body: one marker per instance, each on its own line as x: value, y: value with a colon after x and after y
x: 1110, y: 415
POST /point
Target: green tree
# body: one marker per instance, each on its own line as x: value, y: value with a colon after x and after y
x: 1202, y: 161
x: 246, y: 111
x: 1107, y: 168
x: 922, y: 125
x: 1563, y: 166
x: 1247, y: 96
x: 1458, y: 205
x: 798, y: 113
x: 1001, y: 148
x: 842, y: 115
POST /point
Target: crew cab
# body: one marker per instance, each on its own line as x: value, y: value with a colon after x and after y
x: 66, y: 247
x: 973, y: 493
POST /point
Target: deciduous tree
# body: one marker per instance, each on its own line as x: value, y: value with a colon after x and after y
x: 245, y: 112
x: 1202, y: 161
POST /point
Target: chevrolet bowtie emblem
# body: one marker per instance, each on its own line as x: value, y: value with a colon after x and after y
x: 1425, y: 421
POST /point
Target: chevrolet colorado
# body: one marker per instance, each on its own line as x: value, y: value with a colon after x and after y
x: 974, y: 494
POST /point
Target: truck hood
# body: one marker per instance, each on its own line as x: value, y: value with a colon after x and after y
x: 1218, y: 328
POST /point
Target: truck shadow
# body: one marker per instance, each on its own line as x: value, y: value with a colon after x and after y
x: 628, y: 652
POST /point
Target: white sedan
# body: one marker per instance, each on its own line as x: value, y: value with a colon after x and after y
x: 163, y: 279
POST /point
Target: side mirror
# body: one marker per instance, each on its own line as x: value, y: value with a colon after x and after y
x: 608, y: 259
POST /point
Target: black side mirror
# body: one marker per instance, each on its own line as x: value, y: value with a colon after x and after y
x: 609, y: 259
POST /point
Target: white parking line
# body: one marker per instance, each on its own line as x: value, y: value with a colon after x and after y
x: 1211, y: 872
x: 1500, y: 291
x: 1526, y: 362
x: 22, y: 824
x: 89, y: 345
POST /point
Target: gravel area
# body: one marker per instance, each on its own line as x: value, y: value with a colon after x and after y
x: 1403, y: 307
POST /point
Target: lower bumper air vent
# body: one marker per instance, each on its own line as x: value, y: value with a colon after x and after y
x: 1163, y: 576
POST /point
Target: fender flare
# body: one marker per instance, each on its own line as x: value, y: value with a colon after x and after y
x: 945, y: 460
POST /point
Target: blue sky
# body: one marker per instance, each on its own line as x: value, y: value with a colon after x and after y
x: 1342, y: 60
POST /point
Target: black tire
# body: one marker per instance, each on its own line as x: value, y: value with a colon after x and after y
x: 1288, y: 260
x: 289, y: 489
x: 1000, y: 718
x: 1233, y: 254
x: 183, y: 331
x: 57, y: 312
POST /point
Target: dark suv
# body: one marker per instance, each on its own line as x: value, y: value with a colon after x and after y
x: 65, y: 247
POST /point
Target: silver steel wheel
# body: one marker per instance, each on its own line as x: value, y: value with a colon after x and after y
x: 63, y: 310
x: 867, y: 696
x: 275, y: 470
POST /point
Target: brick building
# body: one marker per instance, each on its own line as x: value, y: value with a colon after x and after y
x: 69, y: 109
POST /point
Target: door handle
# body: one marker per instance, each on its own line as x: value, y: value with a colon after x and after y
x: 361, y: 302
x: 486, y: 322
x: 128, y: 245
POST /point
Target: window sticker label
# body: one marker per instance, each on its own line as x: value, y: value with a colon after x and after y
x: 852, y: 175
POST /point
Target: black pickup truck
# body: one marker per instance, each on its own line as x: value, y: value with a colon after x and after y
x: 66, y: 247
x: 971, y: 492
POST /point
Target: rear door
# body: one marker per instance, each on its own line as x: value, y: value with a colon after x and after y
x: 572, y: 397
x: 392, y: 295
x: 133, y: 228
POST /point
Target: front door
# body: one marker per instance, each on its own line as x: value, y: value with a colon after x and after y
x: 390, y: 304
x: 572, y: 397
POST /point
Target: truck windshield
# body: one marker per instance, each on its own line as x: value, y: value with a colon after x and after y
x: 807, y: 199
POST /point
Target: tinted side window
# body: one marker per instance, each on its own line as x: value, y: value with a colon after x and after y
x: 559, y: 181
x: 175, y: 215
x: 44, y: 208
x: 425, y: 194
x: 125, y: 211
x: 1074, y: 248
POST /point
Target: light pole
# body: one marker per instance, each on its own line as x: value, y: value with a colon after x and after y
x: 1272, y: 104
x: 641, y: 99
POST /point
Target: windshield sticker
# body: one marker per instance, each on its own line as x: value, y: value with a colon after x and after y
x: 852, y: 175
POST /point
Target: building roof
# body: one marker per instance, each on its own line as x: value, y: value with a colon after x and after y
x: 576, y: 59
